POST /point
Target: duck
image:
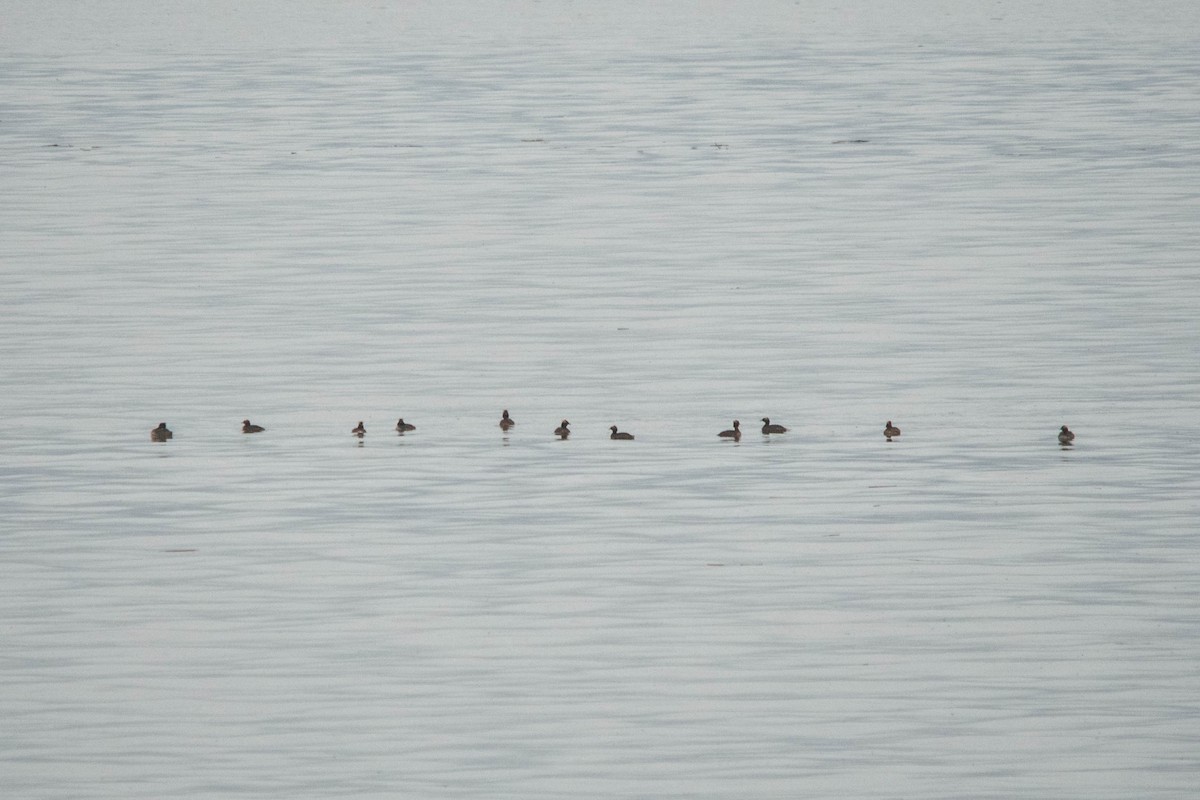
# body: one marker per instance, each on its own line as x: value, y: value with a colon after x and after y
x: 769, y: 428
x: 506, y: 421
x: 734, y: 433
x: 890, y: 430
x: 359, y: 430
x: 248, y: 428
x: 403, y: 426
x: 161, y: 434
x: 620, y: 435
x: 562, y: 430
x: 1065, y: 436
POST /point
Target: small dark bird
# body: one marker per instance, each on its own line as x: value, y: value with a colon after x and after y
x: 248, y: 428
x: 1065, y: 436
x: 621, y: 435
x: 161, y: 434
x: 562, y: 430
x: 769, y: 428
x: 506, y: 422
x: 359, y: 430
x: 734, y: 433
x: 403, y: 426
x: 890, y: 430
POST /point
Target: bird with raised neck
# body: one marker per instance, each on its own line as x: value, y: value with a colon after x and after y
x: 769, y: 428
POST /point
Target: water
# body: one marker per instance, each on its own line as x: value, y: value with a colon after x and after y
x: 979, y: 223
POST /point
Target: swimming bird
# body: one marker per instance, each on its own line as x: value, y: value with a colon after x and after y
x: 360, y: 430
x: 506, y: 422
x: 890, y: 430
x: 769, y: 428
x: 562, y: 430
x: 248, y: 428
x: 734, y: 433
x: 1065, y: 436
x: 161, y: 434
x: 621, y: 435
x: 403, y: 426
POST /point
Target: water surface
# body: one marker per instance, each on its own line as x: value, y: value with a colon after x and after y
x: 977, y: 223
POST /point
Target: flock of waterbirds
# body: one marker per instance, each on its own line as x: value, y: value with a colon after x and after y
x: 161, y: 433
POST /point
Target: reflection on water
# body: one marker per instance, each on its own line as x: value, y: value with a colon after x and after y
x: 978, y: 224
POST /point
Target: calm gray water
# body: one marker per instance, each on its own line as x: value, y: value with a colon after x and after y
x: 979, y: 223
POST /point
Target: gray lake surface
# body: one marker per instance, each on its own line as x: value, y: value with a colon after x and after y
x: 979, y: 221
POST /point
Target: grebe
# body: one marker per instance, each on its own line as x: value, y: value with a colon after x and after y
x: 769, y: 428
